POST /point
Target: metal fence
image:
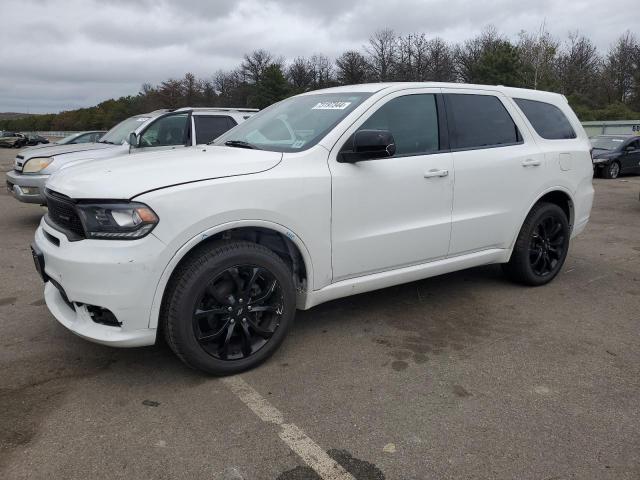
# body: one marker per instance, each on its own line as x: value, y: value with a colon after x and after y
x: 617, y: 127
x: 55, y: 134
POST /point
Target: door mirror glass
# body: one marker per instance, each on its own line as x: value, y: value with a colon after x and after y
x: 133, y: 140
x: 368, y: 145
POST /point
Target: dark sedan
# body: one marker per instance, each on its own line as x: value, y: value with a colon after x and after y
x: 33, y: 139
x: 615, y: 154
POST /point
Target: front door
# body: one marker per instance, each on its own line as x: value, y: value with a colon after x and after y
x: 631, y: 157
x: 166, y: 133
x: 396, y: 211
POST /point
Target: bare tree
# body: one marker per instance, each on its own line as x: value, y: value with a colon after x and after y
x: 382, y: 51
x: 538, y: 55
x: 411, y: 63
x: 468, y: 56
x: 620, y: 68
x: 441, y: 65
x: 352, y: 68
x: 578, y: 66
x: 301, y: 74
x: 323, y: 75
x: 255, y: 63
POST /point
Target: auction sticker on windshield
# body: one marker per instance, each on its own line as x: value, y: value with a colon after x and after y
x: 331, y: 106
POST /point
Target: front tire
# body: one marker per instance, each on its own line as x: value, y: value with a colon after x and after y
x: 611, y: 171
x: 229, y: 307
x: 541, y: 247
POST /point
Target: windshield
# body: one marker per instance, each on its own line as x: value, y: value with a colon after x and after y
x: 294, y: 124
x: 68, y: 139
x: 606, y: 143
x: 120, y: 133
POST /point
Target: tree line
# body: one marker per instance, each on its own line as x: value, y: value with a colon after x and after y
x: 599, y: 86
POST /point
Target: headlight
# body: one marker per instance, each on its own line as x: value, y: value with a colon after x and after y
x: 117, y: 221
x: 36, y: 164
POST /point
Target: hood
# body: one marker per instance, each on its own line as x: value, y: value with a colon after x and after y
x: 51, y: 150
x: 130, y: 175
x: 597, y: 153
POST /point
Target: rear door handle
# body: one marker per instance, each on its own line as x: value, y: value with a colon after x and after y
x: 531, y: 162
x: 436, y: 173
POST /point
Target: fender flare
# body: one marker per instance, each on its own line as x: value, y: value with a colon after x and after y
x: 185, y: 248
x: 555, y: 188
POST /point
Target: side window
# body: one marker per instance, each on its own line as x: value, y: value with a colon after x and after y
x: 635, y: 144
x: 209, y: 128
x: 165, y: 131
x: 477, y: 121
x: 547, y: 120
x: 413, y: 122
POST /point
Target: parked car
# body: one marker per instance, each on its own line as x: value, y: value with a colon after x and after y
x: 323, y: 195
x: 35, y: 139
x: 157, y: 130
x: 12, y: 140
x: 90, y: 136
x: 615, y: 154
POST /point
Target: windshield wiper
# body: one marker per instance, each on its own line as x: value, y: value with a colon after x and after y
x: 104, y: 141
x: 240, y: 144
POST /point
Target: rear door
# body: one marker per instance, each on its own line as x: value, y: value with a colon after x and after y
x: 498, y: 169
x: 207, y: 127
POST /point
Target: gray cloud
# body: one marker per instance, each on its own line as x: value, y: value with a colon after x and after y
x: 55, y: 57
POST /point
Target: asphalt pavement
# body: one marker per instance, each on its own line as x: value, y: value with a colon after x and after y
x: 460, y: 376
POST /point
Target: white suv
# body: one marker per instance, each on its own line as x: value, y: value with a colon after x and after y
x: 323, y: 195
x: 159, y: 130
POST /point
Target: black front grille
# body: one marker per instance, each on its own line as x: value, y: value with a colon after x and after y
x: 62, y: 212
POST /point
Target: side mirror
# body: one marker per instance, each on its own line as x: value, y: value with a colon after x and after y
x: 368, y: 145
x: 133, y: 140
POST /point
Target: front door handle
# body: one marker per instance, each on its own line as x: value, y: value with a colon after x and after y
x: 436, y: 173
x: 531, y: 162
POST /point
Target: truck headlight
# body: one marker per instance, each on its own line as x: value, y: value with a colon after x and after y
x: 117, y: 221
x: 36, y: 164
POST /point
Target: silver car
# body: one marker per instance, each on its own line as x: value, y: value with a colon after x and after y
x: 159, y: 130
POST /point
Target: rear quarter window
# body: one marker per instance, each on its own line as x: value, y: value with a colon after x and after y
x: 547, y: 120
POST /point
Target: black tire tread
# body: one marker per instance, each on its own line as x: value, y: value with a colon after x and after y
x: 517, y: 268
x: 180, y: 277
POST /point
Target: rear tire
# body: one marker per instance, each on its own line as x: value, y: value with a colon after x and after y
x: 541, y: 247
x: 228, y: 307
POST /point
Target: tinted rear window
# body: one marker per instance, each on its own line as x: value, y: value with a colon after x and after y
x: 210, y: 128
x: 548, y: 120
x: 479, y: 121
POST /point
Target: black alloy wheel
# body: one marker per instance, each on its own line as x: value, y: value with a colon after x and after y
x: 547, y: 246
x: 238, y: 312
x: 541, y: 247
x: 228, y: 306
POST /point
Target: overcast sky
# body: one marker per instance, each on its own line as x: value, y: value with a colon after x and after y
x: 73, y: 53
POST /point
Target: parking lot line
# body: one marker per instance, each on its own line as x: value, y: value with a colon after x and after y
x: 295, y: 438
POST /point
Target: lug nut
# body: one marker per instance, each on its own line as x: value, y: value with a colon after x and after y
x: 229, y: 308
